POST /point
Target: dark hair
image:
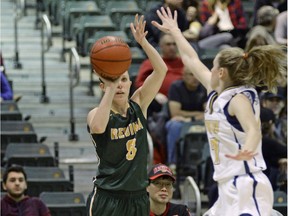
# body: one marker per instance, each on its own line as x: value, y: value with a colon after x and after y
x: 262, y: 66
x: 14, y: 168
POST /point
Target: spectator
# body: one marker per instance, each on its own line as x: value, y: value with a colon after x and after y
x: 169, y: 53
x: 275, y: 102
x: 263, y: 32
x: 15, y: 202
x: 280, y: 31
x: 223, y: 23
x: 192, y: 15
x: 160, y: 191
x: 154, y: 34
x: 6, y: 90
x: 186, y: 101
x: 280, y: 5
x: 273, y: 151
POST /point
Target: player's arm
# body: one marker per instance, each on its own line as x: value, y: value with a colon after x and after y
x: 245, y: 116
x: 188, y: 54
x: 98, y: 118
x: 145, y: 94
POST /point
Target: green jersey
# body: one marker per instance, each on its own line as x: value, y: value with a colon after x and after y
x: 122, y: 151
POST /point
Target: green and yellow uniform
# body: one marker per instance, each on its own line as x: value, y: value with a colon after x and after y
x: 121, y: 178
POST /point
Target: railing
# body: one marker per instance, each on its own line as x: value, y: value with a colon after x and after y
x: 189, y: 182
x: 45, y: 23
x: 74, y: 75
x: 18, y: 14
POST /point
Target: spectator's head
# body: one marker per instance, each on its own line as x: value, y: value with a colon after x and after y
x: 266, y: 16
x: 267, y: 120
x: 189, y: 79
x: 161, y: 181
x: 258, y: 40
x: 272, y: 101
x: 14, y: 182
x: 168, y: 46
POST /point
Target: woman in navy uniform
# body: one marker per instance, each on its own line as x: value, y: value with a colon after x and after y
x: 118, y: 130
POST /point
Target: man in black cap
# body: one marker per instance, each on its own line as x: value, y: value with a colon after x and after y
x: 160, y: 191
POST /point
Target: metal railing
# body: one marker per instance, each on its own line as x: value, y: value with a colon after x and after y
x: 45, y: 24
x: 74, y: 76
x: 189, y: 182
x: 19, y: 6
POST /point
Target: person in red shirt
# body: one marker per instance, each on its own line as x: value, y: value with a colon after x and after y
x: 160, y: 189
x: 175, y: 66
x: 15, y: 202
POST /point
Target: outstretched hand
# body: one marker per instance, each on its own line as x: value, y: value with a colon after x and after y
x: 242, y: 155
x: 168, y: 22
x: 138, y: 29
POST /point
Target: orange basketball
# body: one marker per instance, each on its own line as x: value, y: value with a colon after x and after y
x: 110, y: 57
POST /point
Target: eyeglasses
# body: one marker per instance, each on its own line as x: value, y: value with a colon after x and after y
x: 160, y: 185
x: 170, y: 44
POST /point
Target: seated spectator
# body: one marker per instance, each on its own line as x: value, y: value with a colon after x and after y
x: 169, y: 53
x: 15, y: 202
x: 263, y: 32
x: 280, y: 5
x: 273, y: 151
x: 192, y: 15
x: 280, y: 31
x: 154, y: 33
x: 224, y: 23
x: 160, y: 191
x: 186, y: 101
x: 275, y: 102
x: 6, y: 90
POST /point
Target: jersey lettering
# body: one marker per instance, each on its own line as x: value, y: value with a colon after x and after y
x: 131, y: 129
x: 213, y: 129
x: 131, y: 148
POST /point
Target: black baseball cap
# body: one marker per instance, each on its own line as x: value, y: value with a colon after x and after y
x: 269, y: 95
x: 159, y: 170
x: 267, y: 115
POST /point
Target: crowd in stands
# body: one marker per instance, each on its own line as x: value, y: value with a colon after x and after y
x: 208, y: 24
x: 215, y: 24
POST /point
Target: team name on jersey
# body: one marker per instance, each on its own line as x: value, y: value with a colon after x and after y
x: 131, y: 129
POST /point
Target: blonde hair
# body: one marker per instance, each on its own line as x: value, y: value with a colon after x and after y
x: 262, y: 66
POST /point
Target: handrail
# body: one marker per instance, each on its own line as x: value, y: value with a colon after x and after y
x: 189, y: 181
x: 46, y: 21
x: 18, y: 13
x: 74, y: 72
x: 74, y: 54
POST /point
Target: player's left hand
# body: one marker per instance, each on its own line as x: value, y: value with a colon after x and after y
x: 138, y: 29
x: 242, y: 155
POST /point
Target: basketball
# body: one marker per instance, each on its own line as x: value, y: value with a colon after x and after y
x: 110, y: 57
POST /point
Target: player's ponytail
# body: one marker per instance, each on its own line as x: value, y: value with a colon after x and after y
x: 261, y: 66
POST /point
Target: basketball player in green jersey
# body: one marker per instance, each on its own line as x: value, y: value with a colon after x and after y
x: 118, y: 131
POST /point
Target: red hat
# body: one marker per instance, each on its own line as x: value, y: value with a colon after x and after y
x: 160, y: 170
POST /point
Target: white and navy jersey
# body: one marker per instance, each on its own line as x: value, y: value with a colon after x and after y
x: 226, y: 135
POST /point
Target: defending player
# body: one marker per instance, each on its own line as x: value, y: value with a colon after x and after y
x: 232, y: 119
x: 118, y: 130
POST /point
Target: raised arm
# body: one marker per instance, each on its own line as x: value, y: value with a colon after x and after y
x: 98, y: 118
x: 189, y: 56
x: 145, y: 94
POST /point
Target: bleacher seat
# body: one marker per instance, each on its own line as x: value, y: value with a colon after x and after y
x: 51, y: 179
x: 28, y: 154
x: 207, y: 56
x: 190, y: 152
x: 10, y: 111
x: 64, y: 203
x: 280, y: 202
x: 17, y: 132
x: 87, y: 26
x: 74, y: 10
x: 117, y: 9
